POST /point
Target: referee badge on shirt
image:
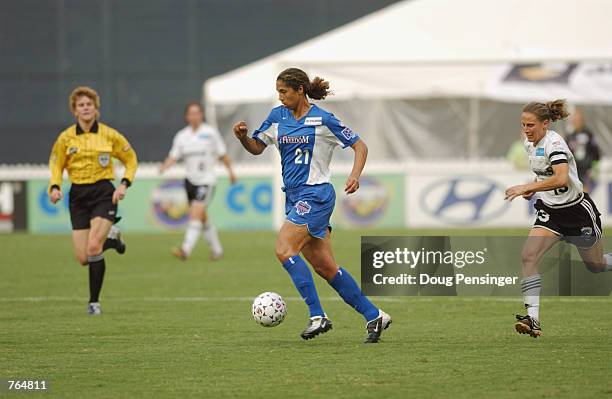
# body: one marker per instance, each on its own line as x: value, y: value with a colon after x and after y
x: 104, y: 159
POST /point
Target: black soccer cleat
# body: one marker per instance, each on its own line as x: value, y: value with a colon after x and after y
x: 528, y: 325
x: 120, y: 243
x: 121, y: 247
x: 114, y: 240
x: 375, y: 327
x: 316, y: 325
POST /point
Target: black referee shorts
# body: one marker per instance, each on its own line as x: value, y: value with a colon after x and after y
x: 88, y: 201
x: 577, y: 222
x: 199, y: 193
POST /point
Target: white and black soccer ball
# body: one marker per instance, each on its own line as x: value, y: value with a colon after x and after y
x: 269, y: 309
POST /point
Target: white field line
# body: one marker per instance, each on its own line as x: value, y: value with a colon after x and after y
x: 407, y: 299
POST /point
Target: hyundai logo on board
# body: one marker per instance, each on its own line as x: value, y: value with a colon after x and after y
x: 464, y: 200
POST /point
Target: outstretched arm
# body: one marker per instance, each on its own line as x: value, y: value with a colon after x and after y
x: 252, y: 145
x: 361, y: 154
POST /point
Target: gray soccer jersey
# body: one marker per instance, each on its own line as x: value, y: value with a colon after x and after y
x: 549, y: 151
x: 200, y: 150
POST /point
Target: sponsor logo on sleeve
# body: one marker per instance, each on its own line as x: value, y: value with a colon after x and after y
x: 540, y: 152
x: 348, y: 133
x: 313, y: 121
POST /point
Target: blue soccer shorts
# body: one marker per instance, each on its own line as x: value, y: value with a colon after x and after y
x: 311, y: 206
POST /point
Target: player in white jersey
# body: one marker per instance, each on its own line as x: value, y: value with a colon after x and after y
x: 564, y: 211
x: 200, y: 147
x: 306, y: 136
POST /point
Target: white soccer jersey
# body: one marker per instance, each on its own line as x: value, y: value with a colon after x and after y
x: 549, y: 151
x: 200, y: 150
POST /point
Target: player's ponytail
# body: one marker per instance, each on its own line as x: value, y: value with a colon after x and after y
x: 557, y: 110
x: 317, y: 89
x: 552, y: 110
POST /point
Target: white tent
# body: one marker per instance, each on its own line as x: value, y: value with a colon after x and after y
x: 458, y: 57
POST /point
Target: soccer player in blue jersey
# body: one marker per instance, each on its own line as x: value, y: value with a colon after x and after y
x: 306, y: 135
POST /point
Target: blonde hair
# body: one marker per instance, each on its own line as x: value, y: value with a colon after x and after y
x: 87, y: 92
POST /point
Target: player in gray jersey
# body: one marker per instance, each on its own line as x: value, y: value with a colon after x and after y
x: 564, y: 211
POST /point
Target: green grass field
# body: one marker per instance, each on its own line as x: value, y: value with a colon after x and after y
x: 172, y: 329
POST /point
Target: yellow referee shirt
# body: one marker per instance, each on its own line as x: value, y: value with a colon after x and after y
x: 87, y: 155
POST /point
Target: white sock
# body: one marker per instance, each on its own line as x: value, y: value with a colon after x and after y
x: 608, y: 259
x: 191, y: 236
x: 212, y: 238
x: 532, y: 286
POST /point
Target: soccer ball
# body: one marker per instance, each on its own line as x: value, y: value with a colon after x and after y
x: 269, y: 309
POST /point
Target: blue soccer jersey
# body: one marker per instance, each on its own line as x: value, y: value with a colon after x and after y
x: 306, y: 145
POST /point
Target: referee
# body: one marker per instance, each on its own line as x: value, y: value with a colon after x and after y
x: 85, y: 150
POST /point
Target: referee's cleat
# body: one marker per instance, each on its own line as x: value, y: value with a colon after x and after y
x: 179, y: 253
x: 375, y: 327
x: 528, y: 325
x: 94, y: 309
x: 114, y: 240
x: 316, y: 325
x: 121, y: 247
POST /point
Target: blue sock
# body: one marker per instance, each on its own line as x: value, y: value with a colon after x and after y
x: 302, y: 279
x: 348, y: 289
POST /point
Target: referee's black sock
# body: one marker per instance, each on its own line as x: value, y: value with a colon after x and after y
x: 96, y: 276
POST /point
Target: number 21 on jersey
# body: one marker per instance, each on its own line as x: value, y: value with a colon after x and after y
x: 302, y: 156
